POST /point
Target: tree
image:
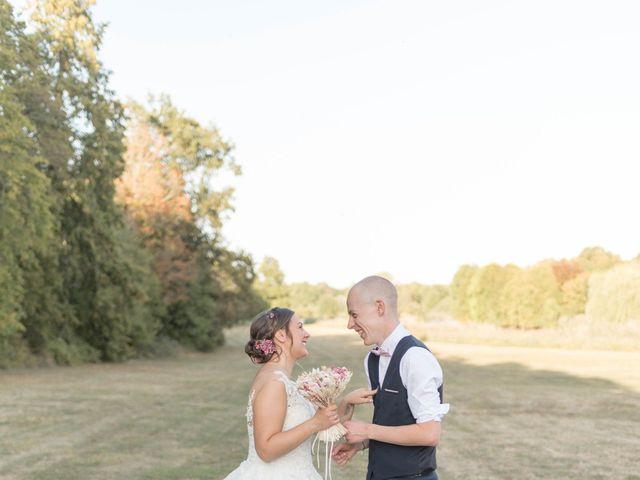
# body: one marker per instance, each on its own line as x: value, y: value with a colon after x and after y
x: 531, y: 298
x: 236, y: 295
x: 314, y: 301
x: 460, y: 296
x: 572, y: 281
x: 200, y: 153
x: 26, y: 223
x: 574, y: 294
x: 270, y: 283
x: 80, y: 135
x: 81, y: 278
x: 151, y: 191
x: 486, y: 290
x: 205, y: 286
x: 614, y: 294
x: 596, y: 259
x: 419, y: 300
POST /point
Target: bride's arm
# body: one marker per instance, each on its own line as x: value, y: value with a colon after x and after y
x: 269, y: 411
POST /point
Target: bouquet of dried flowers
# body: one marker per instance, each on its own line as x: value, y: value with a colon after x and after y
x: 321, y: 386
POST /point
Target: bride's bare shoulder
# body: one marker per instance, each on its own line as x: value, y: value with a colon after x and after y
x: 272, y: 381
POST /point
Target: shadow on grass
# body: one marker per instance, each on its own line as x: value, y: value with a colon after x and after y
x: 509, y: 421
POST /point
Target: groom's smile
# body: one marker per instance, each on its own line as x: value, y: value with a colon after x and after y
x: 363, y: 318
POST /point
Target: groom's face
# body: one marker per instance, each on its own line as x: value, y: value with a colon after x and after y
x: 364, y: 318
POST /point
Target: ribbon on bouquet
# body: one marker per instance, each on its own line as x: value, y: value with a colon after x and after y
x: 328, y: 448
x: 329, y: 437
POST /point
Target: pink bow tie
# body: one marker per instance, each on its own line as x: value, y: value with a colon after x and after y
x: 380, y: 351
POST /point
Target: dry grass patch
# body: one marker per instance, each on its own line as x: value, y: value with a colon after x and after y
x: 517, y: 413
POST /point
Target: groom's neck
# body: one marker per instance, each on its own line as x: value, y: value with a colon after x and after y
x: 389, y: 327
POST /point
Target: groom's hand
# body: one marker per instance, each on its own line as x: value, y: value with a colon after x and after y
x: 343, y: 452
x: 358, y: 431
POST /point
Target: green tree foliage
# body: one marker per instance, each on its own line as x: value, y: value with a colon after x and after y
x: 81, y: 279
x: 83, y: 148
x: 26, y: 223
x: 486, y: 290
x: 271, y: 284
x: 460, y: 292
x: 510, y: 296
x: 236, y: 295
x: 597, y: 259
x: 531, y: 298
x: 29, y: 104
x: 614, y: 295
x: 419, y: 300
x: 315, y: 301
x: 534, y: 297
x: 200, y: 153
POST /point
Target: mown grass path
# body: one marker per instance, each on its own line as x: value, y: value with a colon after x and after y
x: 516, y: 413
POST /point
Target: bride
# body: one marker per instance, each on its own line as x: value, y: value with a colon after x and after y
x: 280, y: 422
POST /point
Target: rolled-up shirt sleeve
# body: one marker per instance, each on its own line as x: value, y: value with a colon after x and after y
x: 422, y: 376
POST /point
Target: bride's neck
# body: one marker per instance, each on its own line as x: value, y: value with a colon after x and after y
x: 285, y: 364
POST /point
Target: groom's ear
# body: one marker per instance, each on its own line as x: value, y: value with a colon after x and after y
x: 380, y: 307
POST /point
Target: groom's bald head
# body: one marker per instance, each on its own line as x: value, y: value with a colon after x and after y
x: 374, y: 288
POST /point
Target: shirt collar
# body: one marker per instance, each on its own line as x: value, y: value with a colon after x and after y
x: 391, y: 342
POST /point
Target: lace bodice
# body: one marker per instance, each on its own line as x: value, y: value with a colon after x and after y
x: 298, y: 463
x: 298, y: 410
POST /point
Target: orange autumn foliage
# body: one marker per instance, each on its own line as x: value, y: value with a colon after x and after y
x: 152, y: 193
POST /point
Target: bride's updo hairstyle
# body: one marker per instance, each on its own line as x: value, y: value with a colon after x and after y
x: 261, y: 347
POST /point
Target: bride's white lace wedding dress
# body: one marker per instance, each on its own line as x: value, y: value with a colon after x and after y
x: 295, y: 465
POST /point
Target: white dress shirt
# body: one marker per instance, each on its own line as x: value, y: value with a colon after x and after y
x: 420, y: 373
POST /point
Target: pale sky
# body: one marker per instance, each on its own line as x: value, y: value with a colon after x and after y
x: 404, y: 136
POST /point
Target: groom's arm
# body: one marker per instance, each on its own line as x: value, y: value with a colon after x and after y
x: 421, y: 375
x: 425, y: 434
x: 356, y: 397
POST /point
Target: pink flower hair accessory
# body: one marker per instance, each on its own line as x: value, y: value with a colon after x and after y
x: 266, y: 346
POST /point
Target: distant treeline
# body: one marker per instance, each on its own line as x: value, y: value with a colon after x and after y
x: 596, y: 284
x: 110, y: 232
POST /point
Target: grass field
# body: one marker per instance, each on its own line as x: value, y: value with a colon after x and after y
x: 517, y: 413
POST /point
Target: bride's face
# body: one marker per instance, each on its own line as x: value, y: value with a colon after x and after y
x: 299, y: 337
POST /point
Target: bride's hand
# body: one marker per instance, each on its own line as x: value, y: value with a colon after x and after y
x: 359, y: 396
x: 326, y: 417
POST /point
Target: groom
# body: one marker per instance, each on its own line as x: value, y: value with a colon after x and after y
x: 408, y: 404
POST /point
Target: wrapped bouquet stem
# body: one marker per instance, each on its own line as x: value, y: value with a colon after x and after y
x: 321, y: 386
